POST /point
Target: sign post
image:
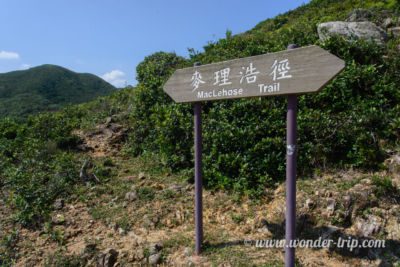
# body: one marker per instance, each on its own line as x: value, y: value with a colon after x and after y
x: 198, y: 186
x: 291, y: 161
x: 290, y: 72
x: 198, y: 175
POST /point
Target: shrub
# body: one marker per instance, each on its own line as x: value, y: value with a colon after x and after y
x: 346, y: 124
x: 384, y: 186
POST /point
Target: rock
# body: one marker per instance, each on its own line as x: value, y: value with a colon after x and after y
x: 368, y: 227
x: 260, y: 223
x: 154, y: 253
x: 142, y: 176
x: 393, y: 164
x: 107, y: 258
x: 138, y: 254
x: 89, y: 250
x: 363, y: 198
x: 388, y: 22
x: 180, y: 216
x: 58, y: 219
x: 129, y: 178
x: 58, y: 204
x: 176, y: 188
x: 108, y: 120
x: 359, y: 14
x: 366, y: 181
x: 84, y: 147
x: 84, y: 175
x: 347, y: 202
x: 396, y: 182
x: 309, y: 204
x: 157, y: 186
x: 328, y: 232
x: 352, y: 31
x: 265, y: 230
x: 393, y: 228
x: 113, y: 226
x: 131, y: 196
x: 155, y: 248
x: 395, y: 31
x: 155, y: 259
x: 187, y: 252
x: 121, y: 231
x: 147, y: 222
x: 330, y: 206
x: 115, y: 127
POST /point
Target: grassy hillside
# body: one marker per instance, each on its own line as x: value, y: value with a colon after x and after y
x: 353, y: 124
x: 47, y: 88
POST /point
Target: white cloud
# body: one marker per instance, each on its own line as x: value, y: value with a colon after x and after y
x: 8, y: 55
x: 115, y: 77
x: 24, y: 66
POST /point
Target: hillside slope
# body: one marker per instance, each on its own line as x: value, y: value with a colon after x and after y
x: 111, y: 180
x: 47, y: 88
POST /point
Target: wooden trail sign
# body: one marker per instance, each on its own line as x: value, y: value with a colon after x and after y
x: 296, y: 71
x: 290, y: 72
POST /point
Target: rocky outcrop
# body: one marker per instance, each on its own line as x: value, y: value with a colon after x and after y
x: 359, y: 14
x: 395, y: 31
x: 352, y: 31
x: 107, y: 258
x: 368, y: 227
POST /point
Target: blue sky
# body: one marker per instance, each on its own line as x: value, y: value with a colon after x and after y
x: 110, y: 37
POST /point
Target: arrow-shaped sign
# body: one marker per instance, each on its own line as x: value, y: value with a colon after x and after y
x: 297, y: 71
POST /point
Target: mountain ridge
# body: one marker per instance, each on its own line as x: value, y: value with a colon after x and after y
x: 47, y: 88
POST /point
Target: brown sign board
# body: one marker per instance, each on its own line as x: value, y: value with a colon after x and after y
x: 296, y: 71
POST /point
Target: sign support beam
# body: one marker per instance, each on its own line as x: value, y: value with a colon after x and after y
x: 198, y: 186
x: 291, y: 153
x: 291, y: 162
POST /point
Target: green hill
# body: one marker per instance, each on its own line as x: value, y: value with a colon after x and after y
x: 47, y: 88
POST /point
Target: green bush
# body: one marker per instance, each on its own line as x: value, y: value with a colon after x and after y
x: 36, y: 184
x: 384, y: 187
x: 146, y: 193
x: 8, y: 244
x: 149, y: 98
x: 349, y: 123
x: 36, y: 166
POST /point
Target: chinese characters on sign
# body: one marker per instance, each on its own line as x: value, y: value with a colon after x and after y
x: 221, y: 77
x: 297, y: 71
x: 248, y: 75
x: 196, y: 80
x: 280, y: 70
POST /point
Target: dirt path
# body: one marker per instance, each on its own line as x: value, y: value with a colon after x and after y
x: 105, y: 140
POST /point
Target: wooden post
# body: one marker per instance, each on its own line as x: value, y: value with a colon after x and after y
x: 291, y: 153
x: 198, y: 186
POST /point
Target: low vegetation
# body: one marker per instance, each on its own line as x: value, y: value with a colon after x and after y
x: 352, y: 124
